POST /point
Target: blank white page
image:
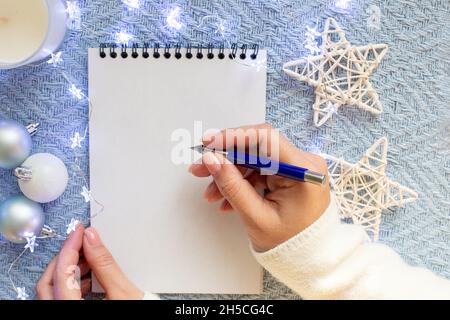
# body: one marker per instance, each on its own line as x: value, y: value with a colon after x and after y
x: 163, y: 233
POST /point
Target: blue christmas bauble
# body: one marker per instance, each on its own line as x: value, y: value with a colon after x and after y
x: 20, y: 217
x: 15, y: 144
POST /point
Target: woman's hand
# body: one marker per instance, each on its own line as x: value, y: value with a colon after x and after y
x: 67, y: 277
x: 61, y: 279
x: 287, y: 208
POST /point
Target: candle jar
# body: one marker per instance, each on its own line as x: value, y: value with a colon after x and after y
x: 30, y: 30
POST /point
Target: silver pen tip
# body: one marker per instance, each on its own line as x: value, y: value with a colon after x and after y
x: 315, y: 177
x: 203, y: 149
x: 199, y: 148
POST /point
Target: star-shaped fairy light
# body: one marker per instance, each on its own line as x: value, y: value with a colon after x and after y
x: 123, y: 37
x: 72, y: 8
x: 77, y: 93
x: 310, y: 42
x: 86, y: 193
x: 21, y: 293
x: 173, y: 18
x: 363, y: 190
x: 76, y: 140
x: 132, y: 4
x: 72, y: 225
x: 31, y: 243
x: 340, y: 73
x: 73, y: 15
x: 55, y: 59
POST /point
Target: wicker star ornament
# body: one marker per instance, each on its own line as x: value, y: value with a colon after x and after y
x: 363, y: 190
x: 340, y: 73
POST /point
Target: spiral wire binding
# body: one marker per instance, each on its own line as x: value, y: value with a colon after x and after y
x: 175, y: 51
x: 156, y: 54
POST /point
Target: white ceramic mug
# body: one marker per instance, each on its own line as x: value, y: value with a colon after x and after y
x: 30, y: 30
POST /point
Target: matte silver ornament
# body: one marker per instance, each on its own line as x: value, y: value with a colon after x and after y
x: 15, y: 144
x: 20, y: 217
x: 43, y: 177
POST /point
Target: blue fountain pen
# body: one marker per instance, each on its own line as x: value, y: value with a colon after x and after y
x: 267, y: 166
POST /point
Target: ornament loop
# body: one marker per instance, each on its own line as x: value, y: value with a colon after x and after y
x: 23, y: 173
x: 32, y: 128
x: 48, y: 232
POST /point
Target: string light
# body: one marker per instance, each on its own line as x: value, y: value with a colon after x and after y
x: 72, y: 8
x: 342, y: 6
x: 55, y: 59
x: 132, y: 4
x: 31, y: 242
x: 21, y: 293
x: 72, y: 226
x: 73, y: 15
x: 77, y: 93
x: 76, y: 140
x: 221, y: 27
x: 220, y: 24
x: 331, y: 108
x: 172, y: 18
x: 311, y: 43
x: 86, y: 193
x: 123, y: 37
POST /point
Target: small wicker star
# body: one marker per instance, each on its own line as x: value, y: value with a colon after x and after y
x: 363, y: 190
x: 340, y: 73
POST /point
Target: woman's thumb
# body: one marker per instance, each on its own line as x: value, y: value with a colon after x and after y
x: 105, y: 268
x: 236, y: 189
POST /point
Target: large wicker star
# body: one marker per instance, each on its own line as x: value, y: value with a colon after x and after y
x: 340, y: 73
x: 362, y: 189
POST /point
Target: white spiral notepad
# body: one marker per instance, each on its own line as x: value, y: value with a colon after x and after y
x: 162, y: 232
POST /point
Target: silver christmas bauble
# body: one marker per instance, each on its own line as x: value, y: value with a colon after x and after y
x: 20, y: 217
x: 15, y: 144
x: 49, y: 178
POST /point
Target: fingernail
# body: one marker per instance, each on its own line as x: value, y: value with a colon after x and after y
x: 212, y: 163
x: 92, y: 237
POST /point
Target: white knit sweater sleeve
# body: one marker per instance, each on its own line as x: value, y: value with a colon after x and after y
x: 333, y: 260
x: 150, y: 296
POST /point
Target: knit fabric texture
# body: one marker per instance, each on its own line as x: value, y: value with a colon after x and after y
x: 412, y: 81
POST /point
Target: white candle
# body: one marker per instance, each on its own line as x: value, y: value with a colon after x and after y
x: 30, y: 30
